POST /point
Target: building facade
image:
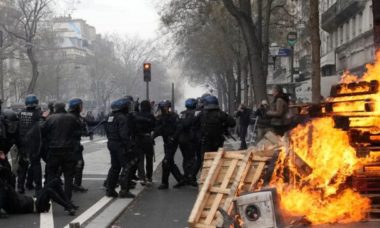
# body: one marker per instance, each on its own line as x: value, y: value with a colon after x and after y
x: 347, y: 42
x: 76, y: 41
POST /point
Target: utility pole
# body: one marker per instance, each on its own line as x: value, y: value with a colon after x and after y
x: 147, y: 91
x: 292, y: 40
x: 1, y: 67
x: 173, y: 98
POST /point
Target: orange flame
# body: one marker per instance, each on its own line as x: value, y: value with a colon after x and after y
x: 312, y: 171
x: 321, y: 196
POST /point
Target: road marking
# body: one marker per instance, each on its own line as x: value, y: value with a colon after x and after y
x: 46, y: 219
x: 94, y: 178
x: 102, y: 141
x: 102, y: 203
x: 85, y: 216
x: 85, y: 141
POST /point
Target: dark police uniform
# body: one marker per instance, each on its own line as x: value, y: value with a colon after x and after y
x: 187, y: 142
x: 122, y: 157
x: 61, y: 130
x: 166, y: 127
x: 144, y: 126
x: 29, y: 147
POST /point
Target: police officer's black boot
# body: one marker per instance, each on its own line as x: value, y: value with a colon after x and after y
x: 77, y: 186
x: 178, y: 176
x: 165, y: 175
x: 125, y: 182
x: 112, y: 179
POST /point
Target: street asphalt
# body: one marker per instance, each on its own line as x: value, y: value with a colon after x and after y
x: 151, y: 208
x: 160, y: 208
x: 97, y: 163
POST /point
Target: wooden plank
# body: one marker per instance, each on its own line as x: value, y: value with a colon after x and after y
x: 228, y: 154
x: 199, y: 225
x: 260, y: 159
x: 219, y: 197
x: 199, y: 203
x: 220, y: 190
x: 242, y: 173
x: 257, y: 175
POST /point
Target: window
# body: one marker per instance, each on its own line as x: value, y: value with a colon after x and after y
x: 347, y: 27
x: 341, y: 35
x: 360, y: 23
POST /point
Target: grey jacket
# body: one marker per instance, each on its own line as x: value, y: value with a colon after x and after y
x: 279, y: 112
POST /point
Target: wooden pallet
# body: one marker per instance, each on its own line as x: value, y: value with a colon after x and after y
x: 366, y: 184
x: 374, y: 212
x: 224, y: 175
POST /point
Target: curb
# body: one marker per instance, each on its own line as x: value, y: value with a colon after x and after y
x: 111, y: 211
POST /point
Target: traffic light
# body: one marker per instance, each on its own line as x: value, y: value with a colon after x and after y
x: 147, y: 72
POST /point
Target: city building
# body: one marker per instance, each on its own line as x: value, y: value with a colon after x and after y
x: 347, y: 42
x: 75, y: 44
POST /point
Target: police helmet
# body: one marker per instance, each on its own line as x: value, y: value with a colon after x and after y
x: 11, y: 120
x: 31, y: 101
x: 120, y: 104
x: 211, y: 102
x: 164, y: 104
x: 191, y: 103
x: 132, y: 102
x: 75, y: 104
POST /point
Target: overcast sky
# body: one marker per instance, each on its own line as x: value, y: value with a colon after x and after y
x: 132, y: 17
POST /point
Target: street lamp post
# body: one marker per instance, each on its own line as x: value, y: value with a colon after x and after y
x: 292, y: 40
x: 274, y: 49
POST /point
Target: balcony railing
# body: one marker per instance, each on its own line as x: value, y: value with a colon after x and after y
x: 340, y: 12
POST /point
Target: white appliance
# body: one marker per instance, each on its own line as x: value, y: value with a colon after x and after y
x: 258, y: 209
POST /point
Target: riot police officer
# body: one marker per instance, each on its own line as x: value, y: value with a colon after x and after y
x: 213, y: 124
x: 30, y: 143
x: 144, y: 126
x: 75, y: 108
x: 8, y: 138
x: 187, y: 140
x: 61, y: 131
x: 119, y: 144
x: 166, y: 127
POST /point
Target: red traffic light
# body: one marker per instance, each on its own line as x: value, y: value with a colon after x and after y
x: 147, y: 73
x: 147, y: 66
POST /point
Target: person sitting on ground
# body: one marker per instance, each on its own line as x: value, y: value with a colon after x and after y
x: 12, y: 202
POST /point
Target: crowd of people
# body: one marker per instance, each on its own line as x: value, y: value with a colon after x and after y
x: 31, y: 136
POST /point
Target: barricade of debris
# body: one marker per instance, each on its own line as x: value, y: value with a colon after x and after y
x: 226, y: 175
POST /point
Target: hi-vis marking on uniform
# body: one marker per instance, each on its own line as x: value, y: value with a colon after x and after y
x: 110, y: 119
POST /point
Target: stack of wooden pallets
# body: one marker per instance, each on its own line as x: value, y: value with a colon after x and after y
x: 225, y: 175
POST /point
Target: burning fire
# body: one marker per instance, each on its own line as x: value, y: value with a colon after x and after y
x: 312, y: 171
x: 322, y: 195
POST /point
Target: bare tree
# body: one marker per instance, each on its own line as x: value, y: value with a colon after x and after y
x: 316, y: 51
x: 243, y: 15
x: 32, y: 14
